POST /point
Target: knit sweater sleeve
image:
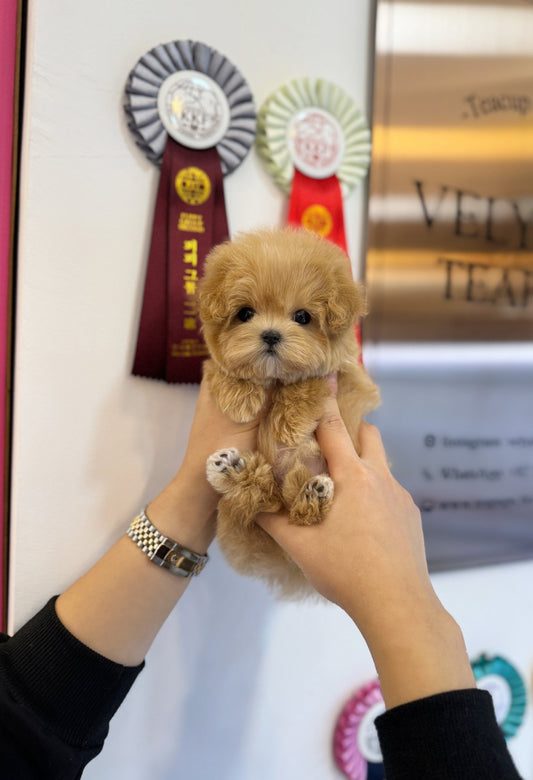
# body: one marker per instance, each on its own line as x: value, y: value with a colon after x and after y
x: 57, y: 697
x: 449, y: 736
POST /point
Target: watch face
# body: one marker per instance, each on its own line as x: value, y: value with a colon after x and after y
x: 162, y: 551
x: 193, y: 109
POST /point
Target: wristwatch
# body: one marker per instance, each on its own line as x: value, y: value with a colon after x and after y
x: 163, y: 551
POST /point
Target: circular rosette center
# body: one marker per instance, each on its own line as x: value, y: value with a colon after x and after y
x: 188, y: 91
x: 316, y: 142
x: 367, y: 735
x: 313, y: 126
x: 193, y: 109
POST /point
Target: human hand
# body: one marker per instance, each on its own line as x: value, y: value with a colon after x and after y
x: 370, y: 546
x: 368, y: 556
x: 211, y: 430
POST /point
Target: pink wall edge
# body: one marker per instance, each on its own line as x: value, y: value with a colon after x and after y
x: 8, y: 36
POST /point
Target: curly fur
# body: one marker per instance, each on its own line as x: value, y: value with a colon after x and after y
x: 278, y: 309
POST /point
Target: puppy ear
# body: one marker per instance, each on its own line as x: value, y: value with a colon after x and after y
x: 213, y: 305
x: 212, y: 290
x: 345, y: 305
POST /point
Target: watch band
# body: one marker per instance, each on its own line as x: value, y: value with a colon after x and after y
x: 163, y: 551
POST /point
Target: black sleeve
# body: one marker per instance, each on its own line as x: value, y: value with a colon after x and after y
x: 450, y: 736
x: 57, y: 697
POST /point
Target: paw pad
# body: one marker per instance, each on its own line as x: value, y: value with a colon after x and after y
x: 320, y: 488
x: 221, y: 464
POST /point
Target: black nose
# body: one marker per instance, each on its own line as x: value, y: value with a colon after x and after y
x: 271, y: 337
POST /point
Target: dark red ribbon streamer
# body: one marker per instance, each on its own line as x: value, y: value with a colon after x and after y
x: 189, y: 218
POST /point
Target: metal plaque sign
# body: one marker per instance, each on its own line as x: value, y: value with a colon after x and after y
x: 450, y: 254
x: 459, y: 437
x: 449, y: 337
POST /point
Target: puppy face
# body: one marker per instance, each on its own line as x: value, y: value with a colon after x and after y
x: 278, y: 305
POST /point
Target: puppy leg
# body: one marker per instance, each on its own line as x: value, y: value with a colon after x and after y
x: 248, y: 488
x: 247, y: 480
x: 313, y: 501
x: 239, y: 399
x: 309, y: 497
x: 296, y: 410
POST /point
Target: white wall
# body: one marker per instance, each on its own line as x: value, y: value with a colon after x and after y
x: 237, y: 686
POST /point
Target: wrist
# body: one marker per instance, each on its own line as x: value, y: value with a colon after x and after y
x: 185, y: 514
x: 421, y: 654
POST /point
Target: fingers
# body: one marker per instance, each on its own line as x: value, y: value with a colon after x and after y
x: 207, y: 415
x: 334, y: 439
x: 274, y: 524
x: 205, y: 401
x: 290, y: 537
x: 371, y: 444
x: 337, y: 446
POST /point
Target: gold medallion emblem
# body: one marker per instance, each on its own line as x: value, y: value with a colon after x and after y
x: 318, y: 219
x: 193, y: 186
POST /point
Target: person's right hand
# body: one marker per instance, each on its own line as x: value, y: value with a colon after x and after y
x: 369, y: 550
x: 368, y: 556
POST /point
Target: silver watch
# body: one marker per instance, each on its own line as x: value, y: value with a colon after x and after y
x: 163, y: 551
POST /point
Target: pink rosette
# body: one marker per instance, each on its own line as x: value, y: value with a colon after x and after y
x: 346, y: 750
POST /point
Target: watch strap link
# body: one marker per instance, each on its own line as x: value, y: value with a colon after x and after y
x: 163, y: 551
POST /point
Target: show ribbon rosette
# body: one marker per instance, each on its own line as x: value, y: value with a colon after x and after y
x: 192, y: 113
x: 507, y: 688
x: 315, y: 143
x: 355, y: 742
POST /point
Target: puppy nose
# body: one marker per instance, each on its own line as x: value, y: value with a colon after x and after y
x: 271, y: 337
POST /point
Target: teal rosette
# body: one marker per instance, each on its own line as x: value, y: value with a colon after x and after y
x: 506, y: 686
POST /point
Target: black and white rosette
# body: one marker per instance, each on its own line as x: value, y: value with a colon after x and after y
x: 319, y: 115
x: 191, y: 92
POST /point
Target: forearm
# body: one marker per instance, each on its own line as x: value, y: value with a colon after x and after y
x: 119, y: 605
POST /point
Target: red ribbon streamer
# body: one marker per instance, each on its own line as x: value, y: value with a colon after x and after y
x: 316, y: 204
x: 189, y: 218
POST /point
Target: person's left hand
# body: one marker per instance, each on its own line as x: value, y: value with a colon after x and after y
x: 210, y: 431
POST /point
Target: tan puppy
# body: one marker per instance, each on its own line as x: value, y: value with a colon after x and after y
x: 278, y: 310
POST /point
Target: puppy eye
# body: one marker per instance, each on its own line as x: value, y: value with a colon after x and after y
x: 302, y: 317
x: 245, y: 314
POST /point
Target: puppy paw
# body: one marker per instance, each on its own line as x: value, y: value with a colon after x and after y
x: 319, y: 489
x: 222, y: 466
x: 313, y: 501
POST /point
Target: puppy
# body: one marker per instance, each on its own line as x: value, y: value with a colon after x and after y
x: 278, y: 309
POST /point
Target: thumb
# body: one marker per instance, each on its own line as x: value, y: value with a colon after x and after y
x: 334, y: 439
